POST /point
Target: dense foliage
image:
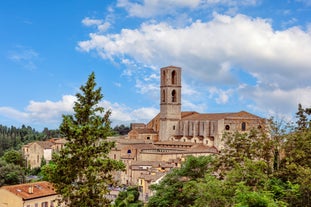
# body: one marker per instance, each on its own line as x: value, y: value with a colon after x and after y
x: 121, y: 129
x: 82, y: 171
x: 128, y: 198
x: 12, y: 169
x: 262, y: 168
x: 13, y: 137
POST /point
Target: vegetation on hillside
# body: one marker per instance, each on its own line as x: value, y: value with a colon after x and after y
x: 14, y: 138
x: 262, y: 168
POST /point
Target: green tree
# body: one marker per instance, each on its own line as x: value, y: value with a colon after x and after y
x: 129, y: 198
x: 83, y: 169
x: 15, y: 157
x: 10, y: 173
x: 252, y: 145
x: 172, y: 190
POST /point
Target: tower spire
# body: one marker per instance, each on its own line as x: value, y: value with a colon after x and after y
x: 170, y: 101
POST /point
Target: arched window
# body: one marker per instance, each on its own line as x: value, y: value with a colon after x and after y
x: 163, y: 96
x: 243, y: 126
x: 163, y: 77
x: 173, y: 96
x: 174, y: 77
x: 129, y: 151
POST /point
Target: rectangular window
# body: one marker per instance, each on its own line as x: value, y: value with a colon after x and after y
x: 44, y: 204
x: 36, y: 205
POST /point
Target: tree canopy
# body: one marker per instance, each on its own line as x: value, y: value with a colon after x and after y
x: 82, y: 171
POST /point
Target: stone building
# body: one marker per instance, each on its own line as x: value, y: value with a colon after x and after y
x: 35, y: 152
x: 173, y: 135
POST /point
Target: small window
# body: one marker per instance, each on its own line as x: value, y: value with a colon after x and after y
x: 148, y: 138
x: 173, y: 96
x: 129, y: 151
x: 259, y: 126
x: 163, y: 96
x: 243, y: 127
x: 174, y: 127
x: 174, y: 77
x: 44, y: 204
x: 227, y: 127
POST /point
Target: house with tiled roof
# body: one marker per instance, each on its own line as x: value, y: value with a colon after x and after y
x: 37, y: 194
x: 35, y: 152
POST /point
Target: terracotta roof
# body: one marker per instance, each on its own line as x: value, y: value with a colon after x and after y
x: 58, y: 140
x: 203, y: 148
x: 173, y: 143
x: 218, y: 116
x: 45, y: 144
x: 152, y: 178
x: 145, y: 131
x: 31, y: 190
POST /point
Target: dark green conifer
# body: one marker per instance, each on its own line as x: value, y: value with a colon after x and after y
x: 83, y: 169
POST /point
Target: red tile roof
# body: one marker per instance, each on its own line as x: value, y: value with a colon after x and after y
x: 31, y: 190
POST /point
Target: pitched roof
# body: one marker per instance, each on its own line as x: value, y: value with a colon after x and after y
x: 31, y: 190
x: 45, y: 144
x: 144, y: 131
x: 218, y: 116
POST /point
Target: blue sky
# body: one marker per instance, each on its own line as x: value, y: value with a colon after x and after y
x: 252, y: 55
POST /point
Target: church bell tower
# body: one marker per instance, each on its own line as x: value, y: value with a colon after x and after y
x: 170, y: 101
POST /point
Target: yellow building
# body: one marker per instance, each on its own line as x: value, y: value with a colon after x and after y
x: 38, y: 194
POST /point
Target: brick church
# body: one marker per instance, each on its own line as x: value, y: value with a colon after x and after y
x: 150, y: 150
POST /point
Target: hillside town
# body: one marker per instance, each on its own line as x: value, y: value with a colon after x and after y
x: 149, y: 151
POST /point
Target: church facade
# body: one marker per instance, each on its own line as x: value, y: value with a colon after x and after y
x: 150, y: 150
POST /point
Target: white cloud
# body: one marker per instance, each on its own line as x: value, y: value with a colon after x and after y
x: 221, y: 96
x: 207, y: 52
x: 49, y: 113
x: 149, y: 8
x: 100, y: 24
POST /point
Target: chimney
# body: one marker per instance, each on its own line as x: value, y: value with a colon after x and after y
x: 30, y: 189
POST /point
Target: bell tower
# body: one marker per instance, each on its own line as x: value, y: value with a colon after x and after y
x: 170, y: 101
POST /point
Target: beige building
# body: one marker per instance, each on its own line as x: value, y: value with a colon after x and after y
x: 38, y: 194
x: 172, y: 135
x: 35, y: 152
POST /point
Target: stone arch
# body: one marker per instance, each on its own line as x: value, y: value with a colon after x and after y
x: 174, y: 96
x: 174, y: 77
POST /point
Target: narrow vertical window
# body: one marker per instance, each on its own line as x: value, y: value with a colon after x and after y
x: 173, y: 96
x: 163, y: 96
x: 163, y: 78
x: 174, y: 77
x: 243, y: 127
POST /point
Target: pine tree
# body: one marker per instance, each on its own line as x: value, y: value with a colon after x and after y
x: 83, y: 169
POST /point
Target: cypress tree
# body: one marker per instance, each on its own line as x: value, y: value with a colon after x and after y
x: 83, y: 169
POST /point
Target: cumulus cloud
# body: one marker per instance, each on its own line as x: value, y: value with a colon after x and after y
x: 151, y: 8
x: 209, y: 51
x: 48, y: 112
x: 100, y: 24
